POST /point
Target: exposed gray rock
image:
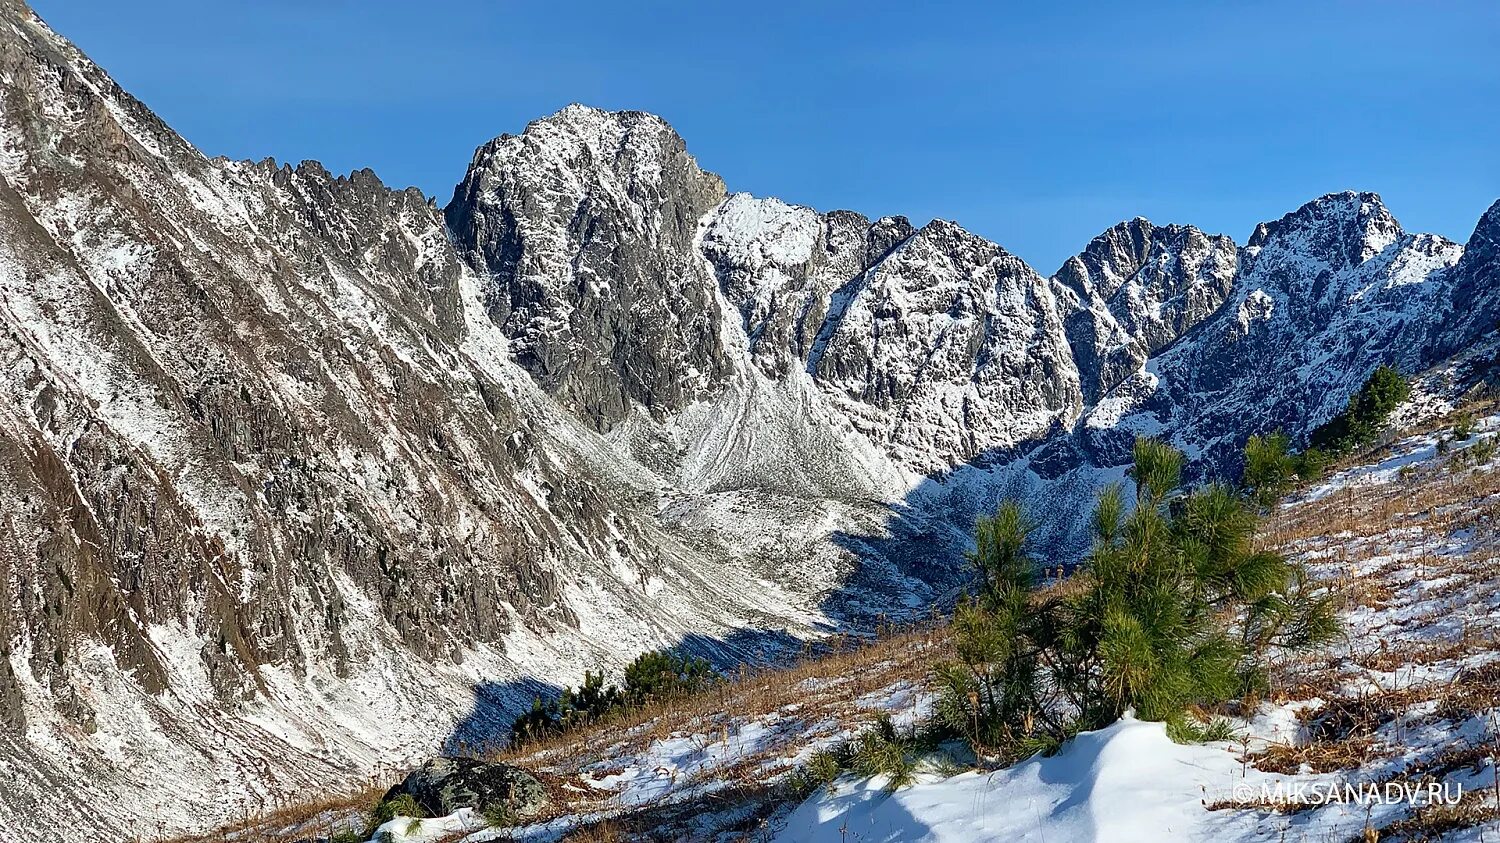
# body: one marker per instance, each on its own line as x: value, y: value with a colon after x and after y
x: 1325, y: 295
x: 1134, y: 290
x: 583, y: 227
x: 948, y: 347
x: 444, y: 785
x: 1474, y: 303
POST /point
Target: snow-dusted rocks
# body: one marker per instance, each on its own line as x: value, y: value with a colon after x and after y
x: 949, y: 347
x: 444, y: 786
x: 581, y: 229
x: 789, y: 271
x: 1474, y: 300
x: 277, y: 505
x: 1324, y: 296
x: 1134, y: 290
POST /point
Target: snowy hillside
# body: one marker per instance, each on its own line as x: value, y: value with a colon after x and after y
x: 1391, y: 731
x: 1394, y: 731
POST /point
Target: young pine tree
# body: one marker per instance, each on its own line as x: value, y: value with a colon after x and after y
x: 1174, y: 606
x: 661, y: 674
x: 1269, y: 466
x: 1360, y: 422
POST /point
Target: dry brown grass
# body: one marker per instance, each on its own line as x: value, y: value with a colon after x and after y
x: 828, y: 680
x: 321, y: 817
x: 606, y: 831
x: 824, y: 685
x: 823, y: 693
x: 1431, y: 822
x: 1414, y: 560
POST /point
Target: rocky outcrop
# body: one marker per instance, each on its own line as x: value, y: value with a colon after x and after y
x: 1134, y: 290
x: 1474, y: 300
x: 445, y: 786
x: 1325, y: 295
x: 950, y: 346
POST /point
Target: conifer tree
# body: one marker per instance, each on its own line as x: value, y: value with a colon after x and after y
x: 1174, y: 606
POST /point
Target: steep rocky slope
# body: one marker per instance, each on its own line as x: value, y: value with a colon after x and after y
x: 277, y: 503
x: 1325, y: 295
x: 300, y: 474
x: 1134, y: 290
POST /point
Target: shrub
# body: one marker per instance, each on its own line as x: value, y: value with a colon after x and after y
x: 1310, y: 464
x: 654, y: 675
x: 821, y: 770
x: 575, y: 707
x: 1463, y: 426
x: 1185, y: 729
x: 1269, y: 466
x: 592, y: 700
x: 885, y: 750
x: 1483, y: 450
x: 1361, y: 420
x: 664, y: 674
x: 544, y: 719
x: 1173, y: 607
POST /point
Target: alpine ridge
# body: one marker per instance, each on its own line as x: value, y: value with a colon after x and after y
x: 301, y: 475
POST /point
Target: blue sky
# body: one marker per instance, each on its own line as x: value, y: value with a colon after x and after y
x: 1037, y: 125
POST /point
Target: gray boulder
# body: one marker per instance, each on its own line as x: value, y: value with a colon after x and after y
x: 444, y: 785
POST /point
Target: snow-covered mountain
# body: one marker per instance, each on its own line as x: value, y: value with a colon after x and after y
x: 300, y: 474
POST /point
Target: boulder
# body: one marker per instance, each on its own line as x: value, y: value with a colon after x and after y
x: 444, y: 785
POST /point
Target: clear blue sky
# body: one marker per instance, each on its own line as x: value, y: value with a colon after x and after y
x: 1035, y: 124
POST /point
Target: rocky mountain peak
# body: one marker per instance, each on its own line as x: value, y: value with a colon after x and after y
x: 1135, y: 289
x: 1343, y: 229
x: 1310, y: 260
x: 1474, y: 306
x: 1484, y: 243
x: 583, y: 229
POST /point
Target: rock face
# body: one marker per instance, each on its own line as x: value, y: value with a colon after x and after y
x: 948, y: 347
x: 1474, y: 299
x: 1325, y: 295
x: 442, y: 786
x: 583, y: 229
x: 266, y: 458
x: 299, y: 474
x: 1134, y: 290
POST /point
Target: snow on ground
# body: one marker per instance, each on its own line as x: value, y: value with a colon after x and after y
x: 1396, y: 732
x: 1125, y: 782
x: 700, y: 769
